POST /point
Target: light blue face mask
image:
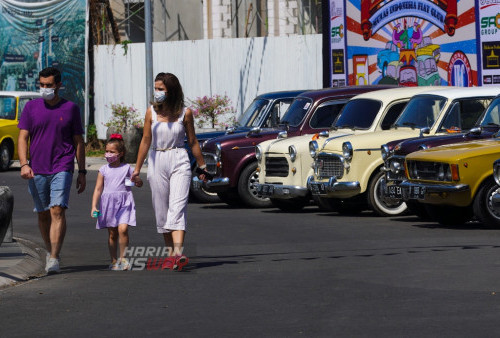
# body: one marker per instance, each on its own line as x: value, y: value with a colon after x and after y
x: 160, y: 96
x: 47, y: 93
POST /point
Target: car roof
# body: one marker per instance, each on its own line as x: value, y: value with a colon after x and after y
x: 394, y: 93
x: 279, y: 94
x: 343, y: 91
x: 458, y: 92
x: 19, y: 93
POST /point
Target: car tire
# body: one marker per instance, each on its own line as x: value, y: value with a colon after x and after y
x: 290, y: 205
x: 418, y: 209
x: 378, y: 203
x: 203, y: 196
x: 247, y: 190
x: 449, y: 215
x: 483, y: 204
x: 5, y: 157
x: 230, y: 197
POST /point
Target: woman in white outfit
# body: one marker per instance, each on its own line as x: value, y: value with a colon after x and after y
x: 166, y: 124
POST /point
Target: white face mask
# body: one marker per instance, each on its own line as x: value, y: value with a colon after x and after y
x: 47, y: 93
x: 160, y: 96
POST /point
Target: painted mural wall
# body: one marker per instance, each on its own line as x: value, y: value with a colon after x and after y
x: 419, y: 42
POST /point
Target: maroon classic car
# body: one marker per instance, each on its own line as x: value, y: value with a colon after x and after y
x: 231, y: 158
x: 475, y: 123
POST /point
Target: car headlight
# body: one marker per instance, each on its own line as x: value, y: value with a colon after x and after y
x: 384, y: 150
x: 293, y: 153
x: 395, y: 166
x: 347, y: 150
x: 218, y: 150
x: 496, y: 171
x: 440, y: 174
x: 258, y: 153
x: 313, y: 148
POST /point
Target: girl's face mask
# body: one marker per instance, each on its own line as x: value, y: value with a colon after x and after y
x: 160, y: 96
x: 111, y: 157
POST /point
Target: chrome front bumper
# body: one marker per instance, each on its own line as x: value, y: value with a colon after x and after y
x: 218, y: 184
x: 324, y: 188
x: 422, y: 191
x: 281, y: 191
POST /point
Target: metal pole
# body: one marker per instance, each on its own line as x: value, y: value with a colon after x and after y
x: 149, y: 50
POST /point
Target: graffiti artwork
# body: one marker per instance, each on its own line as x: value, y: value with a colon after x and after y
x: 40, y: 34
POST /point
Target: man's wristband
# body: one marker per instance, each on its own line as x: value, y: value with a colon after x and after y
x: 25, y: 164
x: 203, y: 166
x: 82, y: 171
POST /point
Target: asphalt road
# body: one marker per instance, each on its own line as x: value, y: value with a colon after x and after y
x: 261, y: 272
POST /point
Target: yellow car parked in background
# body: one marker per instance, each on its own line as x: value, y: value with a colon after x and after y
x: 11, y: 107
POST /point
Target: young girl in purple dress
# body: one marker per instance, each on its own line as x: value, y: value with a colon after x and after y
x: 113, y: 202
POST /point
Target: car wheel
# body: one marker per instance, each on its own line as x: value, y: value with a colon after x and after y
x: 418, y: 209
x: 203, y: 196
x: 382, y: 205
x: 5, y: 157
x: 290, y: 205
x: 483, y: 206
x: 247, y: 189
x: 230, y: 197
x: 449, y: 215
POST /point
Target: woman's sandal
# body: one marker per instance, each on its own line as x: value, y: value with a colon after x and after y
x: 180, y: 262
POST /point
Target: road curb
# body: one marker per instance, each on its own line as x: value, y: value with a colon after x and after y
x: 31, y: 265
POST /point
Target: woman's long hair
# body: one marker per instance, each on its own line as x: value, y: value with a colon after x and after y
x: 174, y: 103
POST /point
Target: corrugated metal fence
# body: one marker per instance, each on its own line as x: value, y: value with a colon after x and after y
x: 240, y: 68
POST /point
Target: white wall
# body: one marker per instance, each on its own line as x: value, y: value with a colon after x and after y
x: 240, y: 68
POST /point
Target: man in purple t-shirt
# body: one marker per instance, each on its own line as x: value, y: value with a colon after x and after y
x: 53, y: 127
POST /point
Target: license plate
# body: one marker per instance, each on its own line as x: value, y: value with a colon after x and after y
x: 394, y: 191
x: 416, y: 193
x: 318, y: 189
x: 266, y: 189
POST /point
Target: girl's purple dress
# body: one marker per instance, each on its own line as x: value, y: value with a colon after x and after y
x: 117, y: 202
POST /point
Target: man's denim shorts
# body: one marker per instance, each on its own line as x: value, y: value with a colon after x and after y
x: 50, y: 190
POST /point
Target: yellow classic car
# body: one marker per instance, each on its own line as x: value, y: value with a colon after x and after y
x: 11, y: 106
x: 455, y: 181
x: 347, y: 171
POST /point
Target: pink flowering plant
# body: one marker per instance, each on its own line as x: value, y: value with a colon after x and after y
x: 214, y: 111
x: 123, y: 117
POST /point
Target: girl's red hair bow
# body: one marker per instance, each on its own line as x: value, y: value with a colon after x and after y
x: 116, y: 136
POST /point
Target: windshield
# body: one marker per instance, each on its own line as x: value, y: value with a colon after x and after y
x: 252, y: 114
x: 492, y: 115
x: 7, y: 107
x: 358, y: 114
x: 296, y: 112
x: 421, y: 111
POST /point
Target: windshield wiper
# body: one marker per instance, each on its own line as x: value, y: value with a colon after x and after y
x: 344, y: 127
x: 410, y: 124
x: 493, y: 124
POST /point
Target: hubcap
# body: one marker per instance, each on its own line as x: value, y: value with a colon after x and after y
x: 489, y: 202
x: 253, y: 179
x: 389, y: 205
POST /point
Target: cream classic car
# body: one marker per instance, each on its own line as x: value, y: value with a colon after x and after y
x: 285, y: 164
x: 347, y: 171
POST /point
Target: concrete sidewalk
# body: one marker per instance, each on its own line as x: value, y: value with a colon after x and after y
x: 21, y: 259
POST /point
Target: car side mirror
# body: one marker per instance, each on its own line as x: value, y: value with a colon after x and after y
x: 425, y: 130
x: 475, y: 131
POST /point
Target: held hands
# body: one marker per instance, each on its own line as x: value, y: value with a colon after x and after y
x: 136, y: 179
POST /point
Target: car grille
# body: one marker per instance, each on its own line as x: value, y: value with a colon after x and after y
x: 431, y: 171
x: 211, y: 163
x: 329, y: 166
x: 276, y: 166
